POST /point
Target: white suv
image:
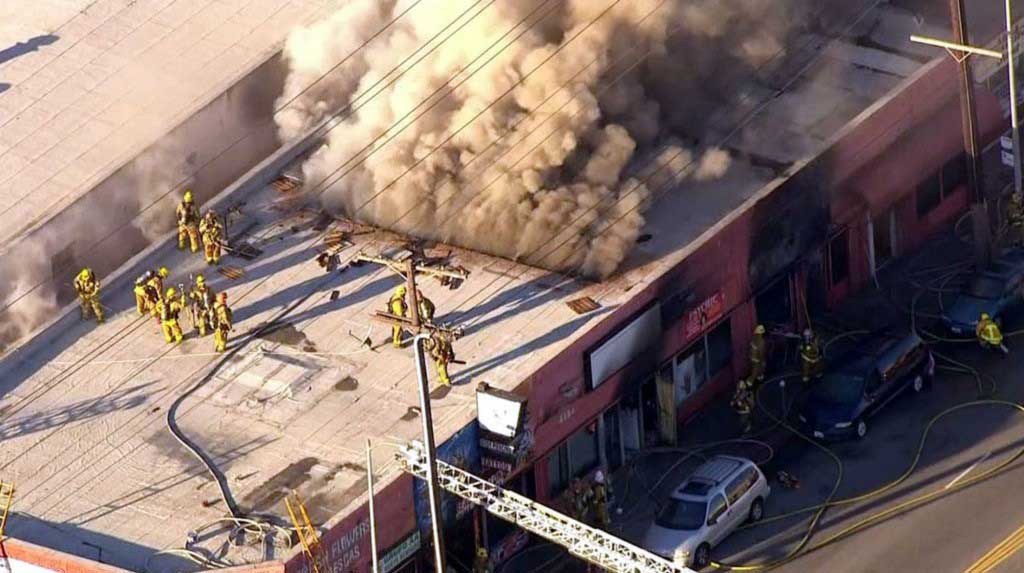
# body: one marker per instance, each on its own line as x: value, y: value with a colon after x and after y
x: 722, y: 494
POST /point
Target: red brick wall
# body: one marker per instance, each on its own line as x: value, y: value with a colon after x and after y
x: 51, y: 559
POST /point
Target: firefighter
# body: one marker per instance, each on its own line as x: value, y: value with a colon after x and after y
x: 188, y: 222
x: 579, y: 497
x: 141, y: 296
x: 212, y: 232
x: 1015, y: 219
x: 443, y: 354
x: 480, y: 562
x: 224, y: 322
x: 743, y: 403
x: 811, y: 363
x: 988, y: 333
x: 155, y: 290
x: 398, y: 307
x: 602, y: 518
x: 758, y: 355
x: 202, y: 300
x: 169, y: 309
x: 88, y: 288
x: 426, y: 308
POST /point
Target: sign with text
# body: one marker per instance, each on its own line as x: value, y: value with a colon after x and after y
x: 394, y: 557
x: 706, y: 313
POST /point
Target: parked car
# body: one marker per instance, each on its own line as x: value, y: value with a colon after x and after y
x: 994, y: 291
x: 862, y: 382
x: 723, y: 493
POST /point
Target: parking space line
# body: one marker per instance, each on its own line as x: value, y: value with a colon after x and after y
x: 999, y: 553
x: 968, y: 470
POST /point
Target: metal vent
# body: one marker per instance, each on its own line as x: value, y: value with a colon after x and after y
x: 583, y: 305
x: 286, y: 183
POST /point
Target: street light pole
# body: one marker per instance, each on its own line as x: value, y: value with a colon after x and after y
x: 1013, y: 99
x: 433, y: 489
x: 979, y: 211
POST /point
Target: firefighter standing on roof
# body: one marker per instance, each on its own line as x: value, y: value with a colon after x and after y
x: 426, y: 308
x: 811, y: 363
x: 202, y: 300
x: 398, y: 307
x: 88, y: 288
x: 188, y: 222
x: 224, y: 322
x: 155, y: 291
x: 169, y: 309
x: 213, y: 236
x: 442, y: 352
x: 758, y: 355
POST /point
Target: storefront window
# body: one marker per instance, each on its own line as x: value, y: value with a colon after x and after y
x: 574, y: 458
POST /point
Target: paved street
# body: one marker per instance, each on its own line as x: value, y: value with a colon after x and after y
x: 961, y: 445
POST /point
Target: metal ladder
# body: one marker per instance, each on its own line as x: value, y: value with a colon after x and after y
x: 588, y: 543
x: 6, y: 496
x: 308, y: 535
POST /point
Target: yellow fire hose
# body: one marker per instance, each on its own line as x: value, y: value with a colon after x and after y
x: 804, y: 548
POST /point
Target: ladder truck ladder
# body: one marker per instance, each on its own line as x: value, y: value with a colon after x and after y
x: 588, y: 543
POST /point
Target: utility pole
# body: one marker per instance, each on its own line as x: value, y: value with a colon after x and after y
x: 373, y: 514
x: 979, y: 210
x: 433, y: 489
x: 409, y: 269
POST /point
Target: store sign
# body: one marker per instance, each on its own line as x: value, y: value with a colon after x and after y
x: 642, y: 332
x: 704, y: 314
x: 499, y: 412
x: 398, y: 554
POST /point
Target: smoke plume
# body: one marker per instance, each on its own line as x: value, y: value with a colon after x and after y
x: 567, y: 184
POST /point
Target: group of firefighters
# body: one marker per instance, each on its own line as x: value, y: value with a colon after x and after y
x: 812, y: 367
x: 208, y: 312
x: 439, y: 345
x: 588, y: 502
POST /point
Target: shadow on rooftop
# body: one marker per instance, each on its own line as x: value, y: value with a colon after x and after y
x: 122, y: 399
x: 22, y: 48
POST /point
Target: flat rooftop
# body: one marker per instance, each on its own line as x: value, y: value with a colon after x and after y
x: 86, y: 85
x: 83, y: 408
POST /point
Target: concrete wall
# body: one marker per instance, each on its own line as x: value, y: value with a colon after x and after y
x: 23, y: 557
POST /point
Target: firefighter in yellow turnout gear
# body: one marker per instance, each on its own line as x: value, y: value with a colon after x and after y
x: 202, y: 300
x: 988, y: 333
x: 398, y: 307
x: 149, y: 289
x: 758, y: 355
x: 743, y: 403
x: 481, y: 562
x: 1015, y: 219
x: 426, y: 308
x: 212, y: 231
x: 188, y: 222
x: 88, y: 288
x: 602, y: 517
x: 812, y: 364
x: 169, y: 309
x: 441, y: 351
x: 224, y: 323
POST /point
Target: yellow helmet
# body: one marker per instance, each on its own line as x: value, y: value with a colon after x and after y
x: 985, y: 316
x: 84, y: 273
x: 163, y: 272
x: 200, y: 280
x: 400, y: 291
x: 759, y: 329
x: 188, y: 195
x: 171, y: 292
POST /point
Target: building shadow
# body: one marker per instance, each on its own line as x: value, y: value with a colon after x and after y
x: 22, y: 48
x: 4, y: 87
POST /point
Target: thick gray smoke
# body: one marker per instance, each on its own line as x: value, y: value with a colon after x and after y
x: 568, y: 187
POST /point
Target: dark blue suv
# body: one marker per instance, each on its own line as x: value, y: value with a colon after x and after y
x: 862, y: 382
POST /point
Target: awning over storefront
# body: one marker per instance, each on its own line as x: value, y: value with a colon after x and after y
x: 915, y: 156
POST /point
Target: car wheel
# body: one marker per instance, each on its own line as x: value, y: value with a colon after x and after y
x: 702, y: 557
x: 756, y: 511
x: 918, y: 383
x: 862, y: 429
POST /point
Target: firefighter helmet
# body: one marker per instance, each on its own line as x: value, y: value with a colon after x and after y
x: 171, y: 292
x: 759, y: 329
x: 163, y: 272
x: 188, y: 195
x: 985, y: 316
x: 200, y: 280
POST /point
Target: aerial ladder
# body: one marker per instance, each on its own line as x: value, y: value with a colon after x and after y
x: 308, y: 535
x: 588, y: 543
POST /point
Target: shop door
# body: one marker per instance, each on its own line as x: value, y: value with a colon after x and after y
x: 883, y: 244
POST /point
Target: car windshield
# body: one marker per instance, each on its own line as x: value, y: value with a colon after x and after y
x: 839, y: 388
x: 682, y: 514
x: 985, y: 287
